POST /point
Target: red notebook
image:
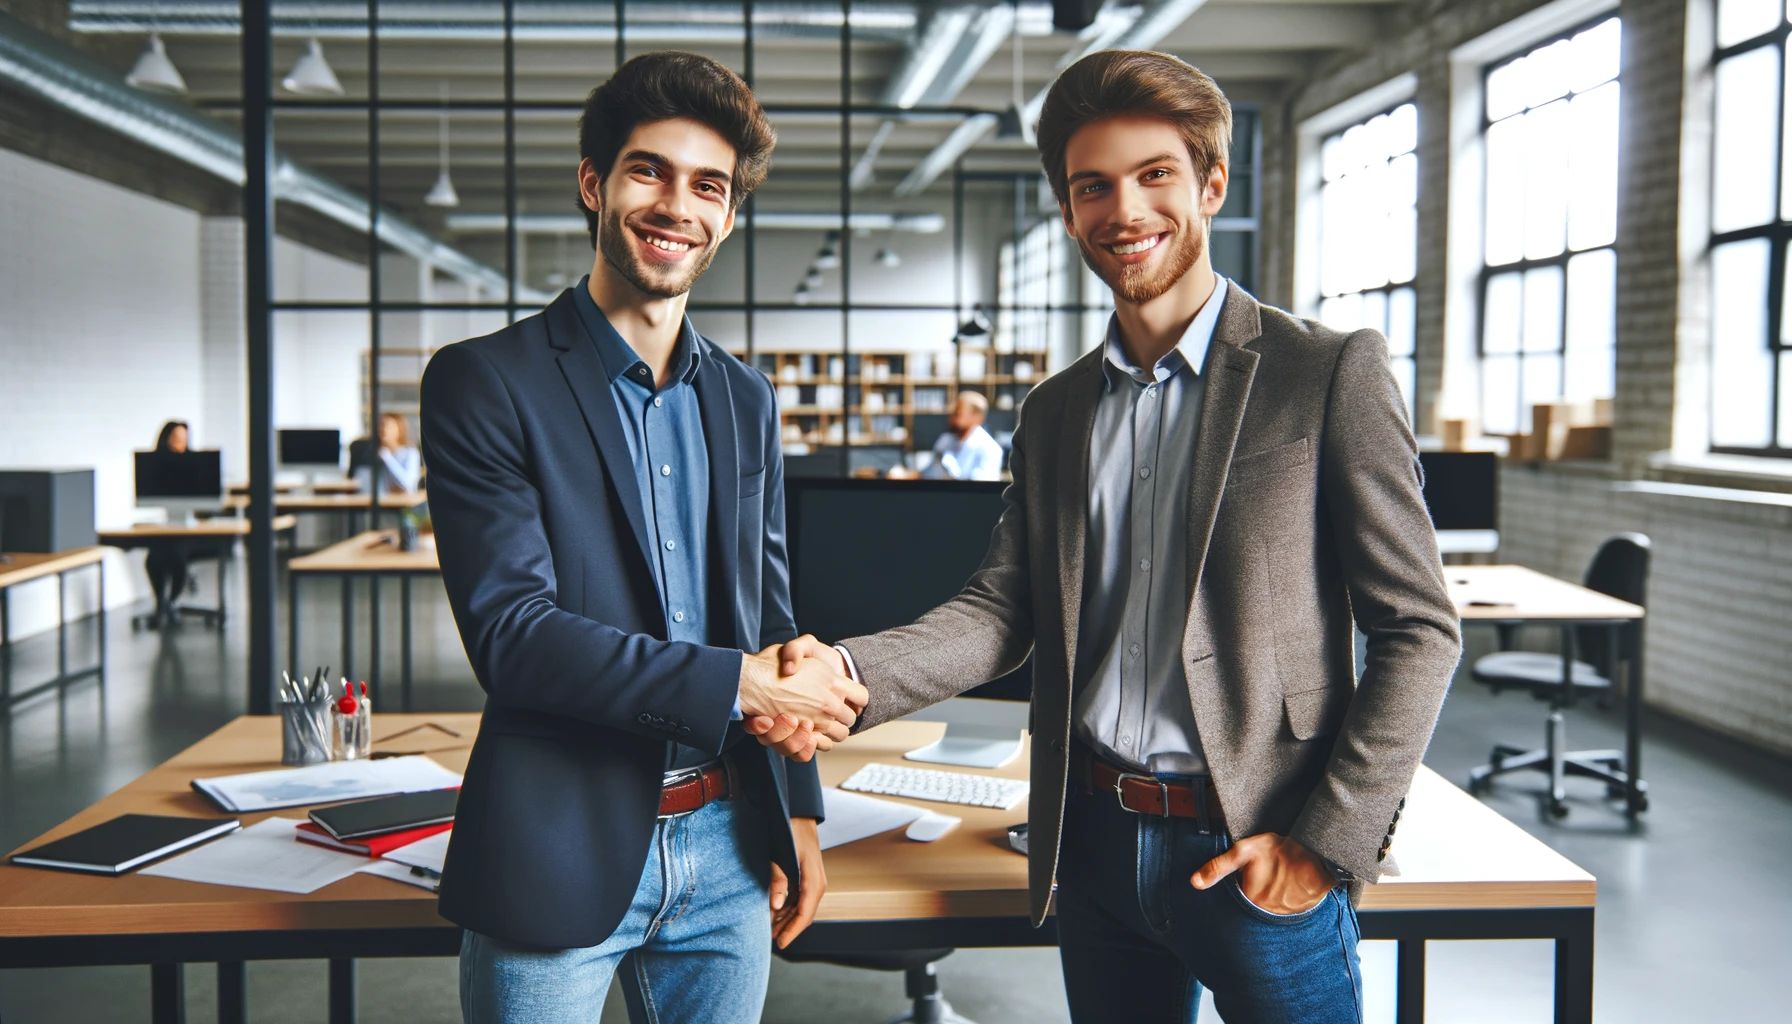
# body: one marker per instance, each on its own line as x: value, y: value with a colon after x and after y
x: 371, y: 846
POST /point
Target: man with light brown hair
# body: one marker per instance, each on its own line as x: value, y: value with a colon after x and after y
x: 1204, y: 510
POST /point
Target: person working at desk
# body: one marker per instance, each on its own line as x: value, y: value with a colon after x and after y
x: 608, y: 497
x: 167, y: 557
x: 966, y: 451
x: 401, y: 465
x: 1200, y: 508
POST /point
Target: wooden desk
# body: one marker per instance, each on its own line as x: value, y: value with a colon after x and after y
x: 23, y: 567
x: 373, y: 554
x: 1467, y: 873
x: 1514, y: 595
x: 324, y: 502
x: 220, y: 533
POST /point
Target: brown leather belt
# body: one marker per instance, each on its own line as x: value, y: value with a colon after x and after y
x: 1143, y: 793
x: 695, y: 790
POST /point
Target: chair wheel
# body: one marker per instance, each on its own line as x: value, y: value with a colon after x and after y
x: 1614, y: 791
x: 1477, y: 784
x: 1642, y: 803
x: 1558, y: 810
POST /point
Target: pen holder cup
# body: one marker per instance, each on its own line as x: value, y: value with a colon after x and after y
x: 304, y: 733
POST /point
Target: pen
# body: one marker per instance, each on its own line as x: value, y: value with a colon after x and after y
x: 422, y: 872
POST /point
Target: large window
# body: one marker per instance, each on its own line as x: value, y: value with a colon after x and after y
x: 1548, y: 285
x: 1368, y: 246
x: 1751, y: 224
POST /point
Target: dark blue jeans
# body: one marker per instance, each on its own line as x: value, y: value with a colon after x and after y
x: 1138, y: 942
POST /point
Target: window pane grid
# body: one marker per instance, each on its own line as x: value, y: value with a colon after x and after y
x: 1548, y: 295
x: 1751, y: 222
x: 1368, y: 233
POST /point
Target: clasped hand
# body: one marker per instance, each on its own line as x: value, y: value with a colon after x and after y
x: 798, y: 699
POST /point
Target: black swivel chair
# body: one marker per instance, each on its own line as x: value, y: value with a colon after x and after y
x: 1620, y: 569
x: 916, y: 965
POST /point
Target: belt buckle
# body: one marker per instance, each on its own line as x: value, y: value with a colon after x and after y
x: 1163, y: 791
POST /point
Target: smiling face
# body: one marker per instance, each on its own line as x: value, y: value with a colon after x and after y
x: 1136, y: 205
x: 664, y: 207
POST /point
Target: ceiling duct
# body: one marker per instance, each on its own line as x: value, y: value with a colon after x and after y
x: 40, y: 66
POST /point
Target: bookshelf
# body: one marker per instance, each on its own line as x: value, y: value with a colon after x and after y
x: 873, y: 396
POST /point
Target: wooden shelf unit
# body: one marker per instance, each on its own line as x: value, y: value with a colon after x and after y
x: 824, y: 396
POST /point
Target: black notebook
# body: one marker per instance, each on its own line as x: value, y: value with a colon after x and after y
x: 387, y: 813
x: 127, y: 841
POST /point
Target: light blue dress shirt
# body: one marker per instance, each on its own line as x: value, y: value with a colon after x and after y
x: 976, y: 457
x: 1132, y: 703
x: 664, y: 430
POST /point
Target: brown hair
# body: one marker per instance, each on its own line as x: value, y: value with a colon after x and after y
x: 669, y: 84
x: 404, y: 428
x: 1110, y: 83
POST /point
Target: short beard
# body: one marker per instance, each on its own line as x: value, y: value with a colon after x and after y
x: 1137, y: 285
x: 612, y: 242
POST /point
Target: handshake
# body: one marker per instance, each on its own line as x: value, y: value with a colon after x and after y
x: 797, y: 698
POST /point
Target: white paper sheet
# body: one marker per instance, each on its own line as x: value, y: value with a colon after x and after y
x: 262, y: 856
x: 399, y: 873
x: 326, y: 783
x: 429, y: 852
x: 853, y: 816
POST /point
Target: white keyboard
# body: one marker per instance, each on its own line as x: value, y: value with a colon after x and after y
x: 945, y: 787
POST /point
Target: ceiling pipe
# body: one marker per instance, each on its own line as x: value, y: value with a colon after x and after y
x: 61, y: 76
x: 535, y: 20
x: 1120, y: 29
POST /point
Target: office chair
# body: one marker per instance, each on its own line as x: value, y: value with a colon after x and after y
x: 921, y: 982
x: 1620, y: 569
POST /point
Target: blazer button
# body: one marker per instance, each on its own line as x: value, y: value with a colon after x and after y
x: 644, y: 718
x: 684, y: 730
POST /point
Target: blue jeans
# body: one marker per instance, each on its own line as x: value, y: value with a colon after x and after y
x: 694, y: 945
x: 1138, y: 942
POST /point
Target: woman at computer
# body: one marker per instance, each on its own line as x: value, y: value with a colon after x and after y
x: 400, y: 463
x: 168, y: 556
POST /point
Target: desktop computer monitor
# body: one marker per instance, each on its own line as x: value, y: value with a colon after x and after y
x: 310, y: 449
x: 181, y: 482
x: 1461, y: 489
x: 866, y: 555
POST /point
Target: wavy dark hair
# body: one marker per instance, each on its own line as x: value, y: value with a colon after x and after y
x: 672, y: 84
x: 167, y: 432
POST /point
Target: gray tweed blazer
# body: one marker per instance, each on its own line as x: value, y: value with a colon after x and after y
x: 1305, y: 520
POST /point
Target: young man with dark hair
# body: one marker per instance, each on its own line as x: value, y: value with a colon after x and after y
x: 608, y: 500
x: 1204, y: 509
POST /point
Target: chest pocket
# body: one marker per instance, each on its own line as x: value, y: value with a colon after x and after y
x: 1268, y: 464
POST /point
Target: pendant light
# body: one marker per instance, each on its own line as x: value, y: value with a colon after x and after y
x: 311, y: 73
x: 443, y: 193
x: 154, y: 72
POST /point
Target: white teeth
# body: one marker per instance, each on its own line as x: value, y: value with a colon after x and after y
x: 1132, y: 247
x: 661, y: 243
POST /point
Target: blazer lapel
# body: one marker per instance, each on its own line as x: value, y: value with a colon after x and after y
x: 1230, y: 369
x: 1073, y: 484
x: 716, y: 404
x: 584, y: 373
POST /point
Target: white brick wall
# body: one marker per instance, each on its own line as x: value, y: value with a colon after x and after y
x: 100, y: 342
x: 118, y: 312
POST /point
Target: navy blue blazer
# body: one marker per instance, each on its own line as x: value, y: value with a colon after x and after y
x: 543, y: 546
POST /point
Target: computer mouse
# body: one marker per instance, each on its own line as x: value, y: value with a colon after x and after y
x: 930, y: 826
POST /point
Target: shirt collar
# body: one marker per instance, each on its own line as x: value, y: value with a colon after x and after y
x: 1190, y: 351
x: 618, y: 357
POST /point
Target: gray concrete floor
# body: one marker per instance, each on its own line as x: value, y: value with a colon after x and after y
x: 1693, y: 912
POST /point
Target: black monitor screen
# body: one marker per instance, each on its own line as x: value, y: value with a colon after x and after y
x: 311, y: 447
x: 866, y: 555
x: 179, y: 475
x: 1461, y: 489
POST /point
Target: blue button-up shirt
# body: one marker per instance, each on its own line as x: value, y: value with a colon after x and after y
x: 1132, y: 702
x: 664, y: 430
